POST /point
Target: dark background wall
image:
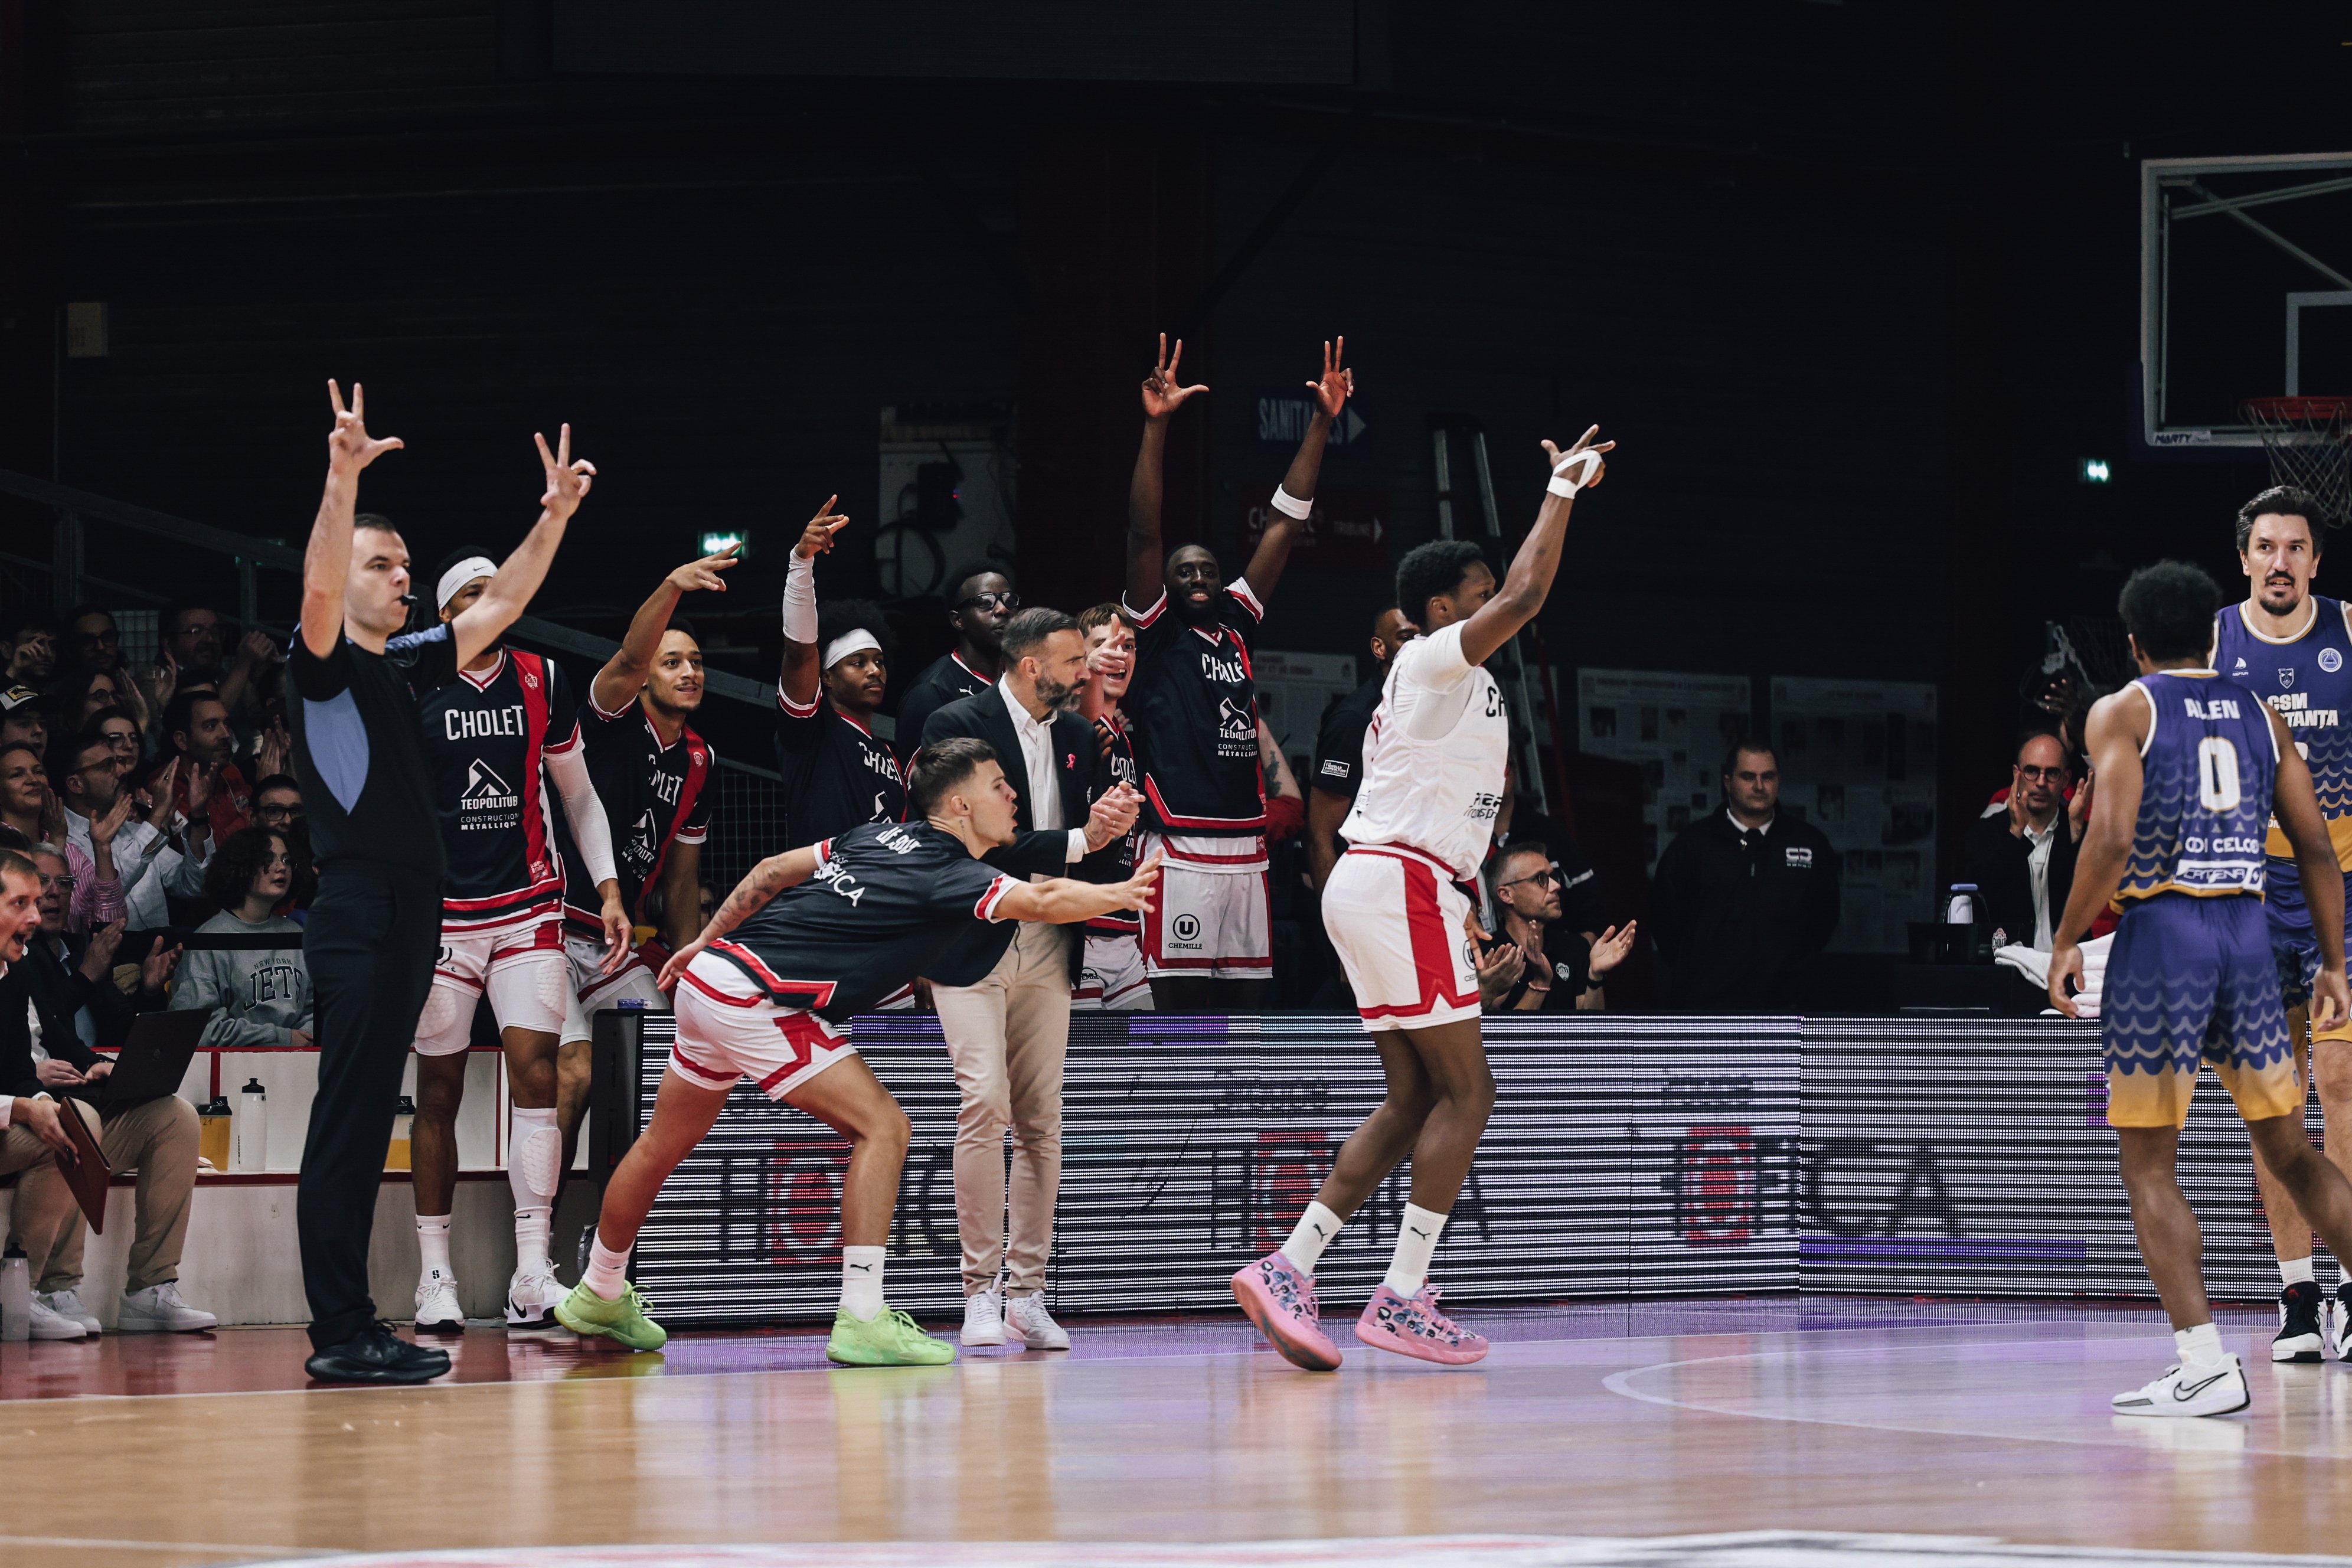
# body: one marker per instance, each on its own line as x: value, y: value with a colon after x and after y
x: 1854, y: 285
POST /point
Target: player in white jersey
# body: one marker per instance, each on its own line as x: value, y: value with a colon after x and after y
x: 1399, y: 915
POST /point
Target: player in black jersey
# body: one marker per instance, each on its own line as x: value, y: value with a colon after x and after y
x: 1194, y: 710
x: 837, y: 772
x: 653, y: 774
x: 490, y: 733
x: 979, y: 601
x: 1339, y: 748
x: 767, y: 990
x: 1111, y: 977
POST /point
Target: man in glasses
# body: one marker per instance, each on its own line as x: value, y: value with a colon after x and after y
x: 2021, y: 857
x: 1554, y: 975
x: 106, y: 825
x: 979, y: 601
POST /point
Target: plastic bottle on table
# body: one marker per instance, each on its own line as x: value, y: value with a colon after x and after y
x: 251, y: 1150
x: 15, y: 1295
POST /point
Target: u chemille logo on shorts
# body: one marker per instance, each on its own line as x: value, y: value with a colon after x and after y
x: 1185, y: 928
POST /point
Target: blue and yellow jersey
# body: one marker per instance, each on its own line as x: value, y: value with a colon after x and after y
x: 2207, y: 770
x: 2307, y: 679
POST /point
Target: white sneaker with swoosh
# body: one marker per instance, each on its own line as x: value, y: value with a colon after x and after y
x: 2216, y: 1388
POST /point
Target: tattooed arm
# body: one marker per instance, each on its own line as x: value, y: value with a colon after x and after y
x: 768, y: 879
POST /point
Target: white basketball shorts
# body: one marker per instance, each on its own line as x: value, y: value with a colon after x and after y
x: 1396, y: 918
x: 522, y: 968
x: 1212, y: 918
x: 594, y: 991
x: 728, y: 1030
x: 1111, y: 977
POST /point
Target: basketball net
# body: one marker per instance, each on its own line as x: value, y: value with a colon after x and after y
x: 2309, y: 440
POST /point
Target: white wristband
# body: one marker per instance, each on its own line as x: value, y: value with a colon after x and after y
x: 799, y: 600
x: 1583, y: 463
x: 1289, y: 505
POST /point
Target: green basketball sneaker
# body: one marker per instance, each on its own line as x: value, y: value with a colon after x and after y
x: 889, y: 1339
x: 586, y: 1312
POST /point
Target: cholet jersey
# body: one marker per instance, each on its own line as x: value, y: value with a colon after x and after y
x: 484, y: 736
x: 2207, y: 770
x: 837, y: 773
x: 2307, y: 679
x: 1434, y: 757
x: 654, y: 796
x: 888, y: 900
x: 1193, y: 710
x: 1118, y: 757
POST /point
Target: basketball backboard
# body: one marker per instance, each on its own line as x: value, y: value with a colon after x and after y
x: 2245, y: 290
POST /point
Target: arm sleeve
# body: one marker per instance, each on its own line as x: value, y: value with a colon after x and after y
x: 562, y: 710
x: 318, y: 680
x: 95, y: 903
x: 1244, y: 610
x: 973, y: 887
x: 185, y: 876
x: 696, y: 829
x: 230, y: 1033
x: 198, y: 986
x: 1035, y: 853
x: 590, y: 830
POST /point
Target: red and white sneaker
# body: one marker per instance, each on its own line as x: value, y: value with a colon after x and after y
x: 1412, y: 1325
x: 1280, y: 1300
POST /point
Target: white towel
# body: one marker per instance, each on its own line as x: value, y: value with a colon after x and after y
x: 2035, y: 966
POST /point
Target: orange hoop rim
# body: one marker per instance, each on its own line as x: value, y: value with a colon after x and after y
x: 2301, y: 408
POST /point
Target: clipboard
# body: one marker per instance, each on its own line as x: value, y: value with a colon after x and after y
x: 88, y: 1176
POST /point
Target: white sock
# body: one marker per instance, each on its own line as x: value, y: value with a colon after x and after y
x: 534, y: 1158
x: 861, y: 1282
x: 608, y: 1270
x: 2295, y: 1273
x: 2199, y: 1346
x: 433, y: 1243
x: 1417, y: 1245
x: 1315, y: 1229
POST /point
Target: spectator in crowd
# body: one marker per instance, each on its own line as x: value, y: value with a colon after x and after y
x: 26, y: 804
x: 196, y: 730
x: 85, y: 694
x: 1562, y: 975
x: 278, y: 803
x: 706, y: 901
x: 1519, y: 822
x: 54, y: 1005
x: 192, y: 658
x: 258, y: 996
x: 30, y: 1137
x: 31, y: 650
x: 1745, y: 899
x: 23, y: 719
x: 1339, y: 748
x: 979, y: 604
x: 94, y: 647
x: 2021, y: 857
x: 121, y: 732
x: 155, y: 859
x: 29, y: 807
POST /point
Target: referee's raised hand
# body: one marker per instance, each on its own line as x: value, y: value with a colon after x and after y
x: 350, y: 447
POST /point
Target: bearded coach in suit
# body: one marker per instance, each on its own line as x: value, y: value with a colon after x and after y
x: 1008, y: 1035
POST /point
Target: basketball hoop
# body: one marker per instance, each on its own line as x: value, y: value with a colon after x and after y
x: 2309, y: 440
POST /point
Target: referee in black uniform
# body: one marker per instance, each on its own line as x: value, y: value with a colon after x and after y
x: 375, y: 924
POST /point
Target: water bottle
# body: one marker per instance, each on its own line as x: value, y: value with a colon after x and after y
x: 15, y: 1295
x: 399, y: 1156
x: 1961, y: 911
x: 251, y: 1130
x: 213, y: 1121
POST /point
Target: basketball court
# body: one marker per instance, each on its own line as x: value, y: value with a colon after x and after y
x: 1591, y: 1430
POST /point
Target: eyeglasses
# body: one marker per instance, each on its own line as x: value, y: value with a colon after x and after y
x: 62, y: 884
x: 2053, y: 776
x: 991, y: 602
x: 1544, y: 876
x: 278, y: 813
x: 119, y: 740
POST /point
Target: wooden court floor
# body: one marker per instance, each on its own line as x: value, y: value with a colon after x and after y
x: 1619, y: 1420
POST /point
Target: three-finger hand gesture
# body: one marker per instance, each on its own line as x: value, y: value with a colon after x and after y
x: 350, y: 448
x: 703, y: 575
x: 567, y: 478
x: 1336, y: 384
x: 1162, y: 393
x: 818, y: 537
x: 1584, y: 443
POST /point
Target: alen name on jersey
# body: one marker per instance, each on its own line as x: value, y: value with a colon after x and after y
x: 2219, y: 708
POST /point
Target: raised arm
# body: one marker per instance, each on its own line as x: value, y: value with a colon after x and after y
x: 624, y: 675
x: 1331, y: 389
x: 2117, y: 726
x: 768, y: 879
x: 1163, y: 395
x: 797, y: 681
x: 2297, y: 806
x: 508, y: 594
x: 327, y: 560
x: 1529, y: 581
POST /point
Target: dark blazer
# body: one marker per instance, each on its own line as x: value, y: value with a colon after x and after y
x: 1083, y: 777
x: 56, y: 993
x: 1995, y: 860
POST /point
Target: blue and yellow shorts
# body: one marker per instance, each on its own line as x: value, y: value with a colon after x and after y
x: 2192, y: 981
x: 2293, y: 945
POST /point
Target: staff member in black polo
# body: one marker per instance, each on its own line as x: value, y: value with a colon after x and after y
x: 1008, y: 1035
x: 375, y: 923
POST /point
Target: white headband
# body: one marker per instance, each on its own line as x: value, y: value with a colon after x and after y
x: 848, y: 643
x: 460, y: 574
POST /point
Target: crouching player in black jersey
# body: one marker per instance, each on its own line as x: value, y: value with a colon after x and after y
x: 490, y: 730
x: 764, y: 994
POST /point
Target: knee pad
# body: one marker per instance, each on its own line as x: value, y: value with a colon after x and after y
x: 529, y: 993
x: 446, y: 1025
x: 538, y: 1159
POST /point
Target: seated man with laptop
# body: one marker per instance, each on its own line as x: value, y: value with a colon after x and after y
x: 56, y: 1003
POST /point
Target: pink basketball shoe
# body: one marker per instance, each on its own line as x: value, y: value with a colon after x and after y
x: 1412, y: 1325
x: 1281, y: 1301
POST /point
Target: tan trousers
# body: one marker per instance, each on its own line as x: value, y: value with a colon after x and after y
x: 1007, y: 1036
x: 159, y: 1141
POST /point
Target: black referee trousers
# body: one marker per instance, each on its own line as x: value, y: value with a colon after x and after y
x: 370, y: 943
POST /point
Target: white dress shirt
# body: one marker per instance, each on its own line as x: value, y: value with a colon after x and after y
x: 2037, y: 876
x: 1036, y: 737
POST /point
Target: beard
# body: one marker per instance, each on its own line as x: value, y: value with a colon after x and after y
x: 1058, y: 697
x: 2284, y: 595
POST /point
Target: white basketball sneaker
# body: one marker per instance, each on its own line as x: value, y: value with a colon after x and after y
x: 437, y: 1311
x: 531, y: 1298
x: 984, y: 1316
x: 2216, y: 1388
x: 68, y: 1304
x: 1026, y: 1316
